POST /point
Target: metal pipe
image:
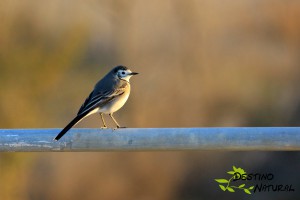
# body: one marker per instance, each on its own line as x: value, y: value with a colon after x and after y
x: 152, y: 139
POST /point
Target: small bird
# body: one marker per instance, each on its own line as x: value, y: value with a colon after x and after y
x: 108, y: 96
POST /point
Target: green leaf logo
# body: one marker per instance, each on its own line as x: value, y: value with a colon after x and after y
x: 226, y: 185
x: 221, y: 180
x: 222, y: 187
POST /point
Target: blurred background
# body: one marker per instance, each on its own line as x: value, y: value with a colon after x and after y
x: 204, y: 63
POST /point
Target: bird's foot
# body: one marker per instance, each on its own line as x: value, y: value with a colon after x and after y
x: 103, y: 127
x: 119, y: 127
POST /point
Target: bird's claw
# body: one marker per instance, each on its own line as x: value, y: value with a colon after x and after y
x: 119, y: 127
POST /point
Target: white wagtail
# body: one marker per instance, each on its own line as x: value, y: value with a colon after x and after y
x: 108, y: 96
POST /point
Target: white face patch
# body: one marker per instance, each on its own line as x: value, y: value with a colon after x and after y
x: 124, y: 74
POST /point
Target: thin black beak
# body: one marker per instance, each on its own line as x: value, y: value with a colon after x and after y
x: 134, y: 73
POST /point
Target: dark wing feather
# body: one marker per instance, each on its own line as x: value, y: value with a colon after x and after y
x: 85, y: 103
x: 100, y: 99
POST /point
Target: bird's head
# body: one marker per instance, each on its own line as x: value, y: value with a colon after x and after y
x: 122, y: 72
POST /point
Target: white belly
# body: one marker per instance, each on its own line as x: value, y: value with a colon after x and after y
x: 115, y: 105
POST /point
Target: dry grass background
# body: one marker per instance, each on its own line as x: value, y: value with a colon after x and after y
x: 201, y: 63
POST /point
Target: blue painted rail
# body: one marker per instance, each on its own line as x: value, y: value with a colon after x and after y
x: 152, y: 139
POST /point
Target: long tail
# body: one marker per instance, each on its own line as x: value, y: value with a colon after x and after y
x: 70, y: 125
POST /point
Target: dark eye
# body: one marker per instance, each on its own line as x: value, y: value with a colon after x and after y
x: 123, y: 73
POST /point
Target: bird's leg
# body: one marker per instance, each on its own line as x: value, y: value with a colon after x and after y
x: 118, y: 126
x: 104, y: 125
